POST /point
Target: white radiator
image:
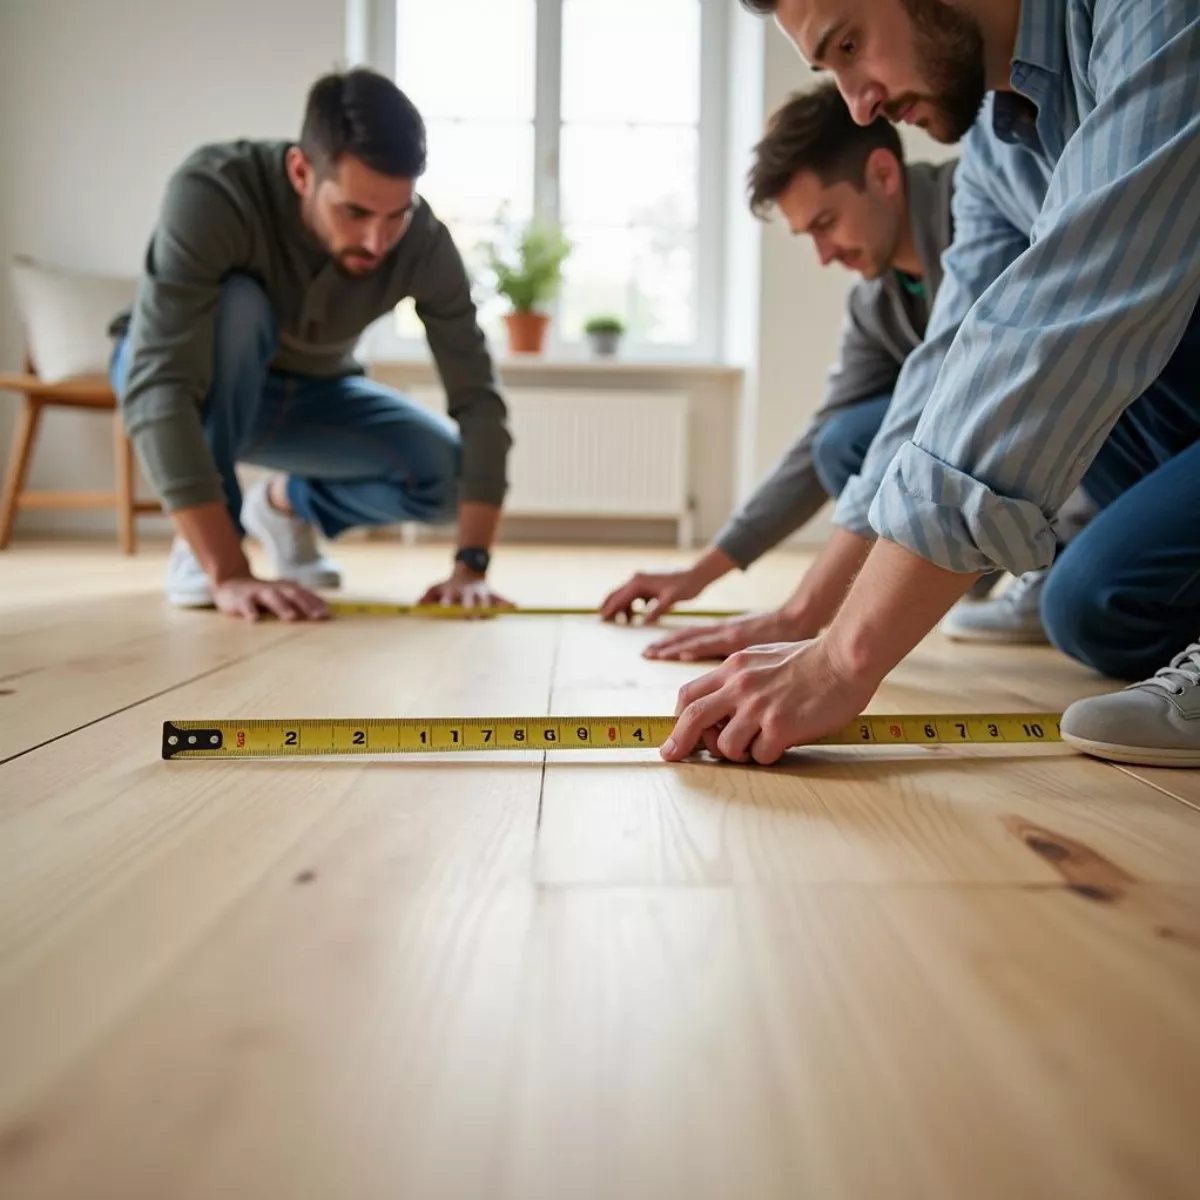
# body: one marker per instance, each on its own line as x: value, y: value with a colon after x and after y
x: 596, y: 453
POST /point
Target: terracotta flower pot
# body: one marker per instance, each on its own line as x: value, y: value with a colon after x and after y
x: 526, y: 332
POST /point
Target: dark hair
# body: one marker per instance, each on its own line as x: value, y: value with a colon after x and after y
x: 363, y: 114
x: 764, y: 8
x: 814, y: 131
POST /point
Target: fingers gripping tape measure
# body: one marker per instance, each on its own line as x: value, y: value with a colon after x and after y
x: 343, y: 736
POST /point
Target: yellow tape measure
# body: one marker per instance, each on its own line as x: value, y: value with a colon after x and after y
x: 449, y: 735
x: 374, y: 608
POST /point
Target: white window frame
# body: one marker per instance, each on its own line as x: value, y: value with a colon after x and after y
x: 371, y: 30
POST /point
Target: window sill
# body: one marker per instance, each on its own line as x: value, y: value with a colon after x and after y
x: 537, y: 365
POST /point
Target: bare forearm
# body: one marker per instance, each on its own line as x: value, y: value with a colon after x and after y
x: 896, y: 600
x: 711, y: 566
x: 214, y: 540
x: 477, y: 524
x: 815, y: 602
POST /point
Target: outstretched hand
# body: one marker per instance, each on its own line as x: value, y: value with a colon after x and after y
x: 251, y: 598
x: 466, y: 589
x: 662, y: 590
x: 719, y: 640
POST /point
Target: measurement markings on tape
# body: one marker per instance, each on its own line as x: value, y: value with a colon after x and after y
x: 374, y: 608
x: 448, y: 735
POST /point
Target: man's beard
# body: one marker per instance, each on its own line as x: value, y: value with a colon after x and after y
x: 354, y: 261
x: 949, y: 50
x: 357, y: 262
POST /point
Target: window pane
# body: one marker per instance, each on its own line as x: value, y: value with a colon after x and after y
x: 476, y: 167
x: 622, y: 175
x: 467, y: 58
x: 469, y: 237
x: 647, y: 276
x: 631, y: 60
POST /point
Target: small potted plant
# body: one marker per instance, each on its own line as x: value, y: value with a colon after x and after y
x: 527, y: 271
x: 605, y: 333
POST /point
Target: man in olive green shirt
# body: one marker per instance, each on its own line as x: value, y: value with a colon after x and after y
x: 268, y: 262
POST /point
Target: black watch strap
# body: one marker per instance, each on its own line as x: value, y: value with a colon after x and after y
x: 475, y: 558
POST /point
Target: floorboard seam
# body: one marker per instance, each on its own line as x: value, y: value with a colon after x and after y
x: 1158, y: 787
x: 116, y: 712
x: 549, y: 711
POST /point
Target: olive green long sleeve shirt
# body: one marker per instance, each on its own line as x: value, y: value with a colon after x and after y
x: 230, y: 208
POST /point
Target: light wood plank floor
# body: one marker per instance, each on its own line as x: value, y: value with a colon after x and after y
x: 904, y: 973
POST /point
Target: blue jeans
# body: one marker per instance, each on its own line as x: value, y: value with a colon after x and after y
x: 355, y: 453
x: 1124, y: 596
x: 842, y: 442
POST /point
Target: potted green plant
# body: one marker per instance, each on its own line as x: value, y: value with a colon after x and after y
x: 526, y: 270
x: 604, y: 333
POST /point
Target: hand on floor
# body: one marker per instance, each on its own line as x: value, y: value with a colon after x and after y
x: 249, y: 598
x: 663, y: 590
x: 762, y: 701
x: 467, y: 589
x: 724, y: 638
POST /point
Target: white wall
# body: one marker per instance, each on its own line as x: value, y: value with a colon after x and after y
x: 99, y: 101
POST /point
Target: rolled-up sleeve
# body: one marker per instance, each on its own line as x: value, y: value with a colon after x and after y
x: 1077, y: 326
x: 987, y: 208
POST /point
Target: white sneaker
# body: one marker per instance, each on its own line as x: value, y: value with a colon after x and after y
x: 187, y: 585
x: 1014, y: 617
x: 290, y: 542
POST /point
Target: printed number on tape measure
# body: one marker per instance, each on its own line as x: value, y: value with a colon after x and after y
x: 415, y: 735
x: 973, y: 729
x: 450, y: 735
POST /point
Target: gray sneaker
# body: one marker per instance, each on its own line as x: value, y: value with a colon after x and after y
x: 1014, y: 616
x: 290, y: 542
x: 1155, y: 723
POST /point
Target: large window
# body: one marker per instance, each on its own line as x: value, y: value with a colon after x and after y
x: 601, y: 115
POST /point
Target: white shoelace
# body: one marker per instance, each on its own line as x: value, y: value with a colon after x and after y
x: 1181, y: 673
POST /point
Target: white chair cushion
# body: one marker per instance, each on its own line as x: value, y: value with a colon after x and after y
x: 66, y: 315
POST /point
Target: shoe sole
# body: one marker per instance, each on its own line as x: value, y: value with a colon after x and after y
x: 192, y: 600
x: 1138, y: 756
x: 997, y: 637
x: 324, y: 581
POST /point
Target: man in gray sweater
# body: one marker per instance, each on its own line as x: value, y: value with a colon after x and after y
x: 268, y: 262
x: 847, y: 187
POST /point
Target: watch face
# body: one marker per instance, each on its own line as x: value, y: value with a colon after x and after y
x: 476, y: 560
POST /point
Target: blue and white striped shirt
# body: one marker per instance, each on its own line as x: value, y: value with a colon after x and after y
x: 1073, y: 274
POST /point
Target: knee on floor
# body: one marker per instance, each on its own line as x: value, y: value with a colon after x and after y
x: 1082, y: 621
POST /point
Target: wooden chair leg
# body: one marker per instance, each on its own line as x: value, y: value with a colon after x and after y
x: 18, y: 465
x: 125, y: 476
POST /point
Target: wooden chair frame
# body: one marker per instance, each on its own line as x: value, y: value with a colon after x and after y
x: 90, y: 393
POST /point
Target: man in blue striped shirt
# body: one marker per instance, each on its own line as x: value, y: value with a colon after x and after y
x: 1063, y: 348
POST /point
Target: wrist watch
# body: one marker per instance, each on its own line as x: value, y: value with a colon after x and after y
x: 474, y: 558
